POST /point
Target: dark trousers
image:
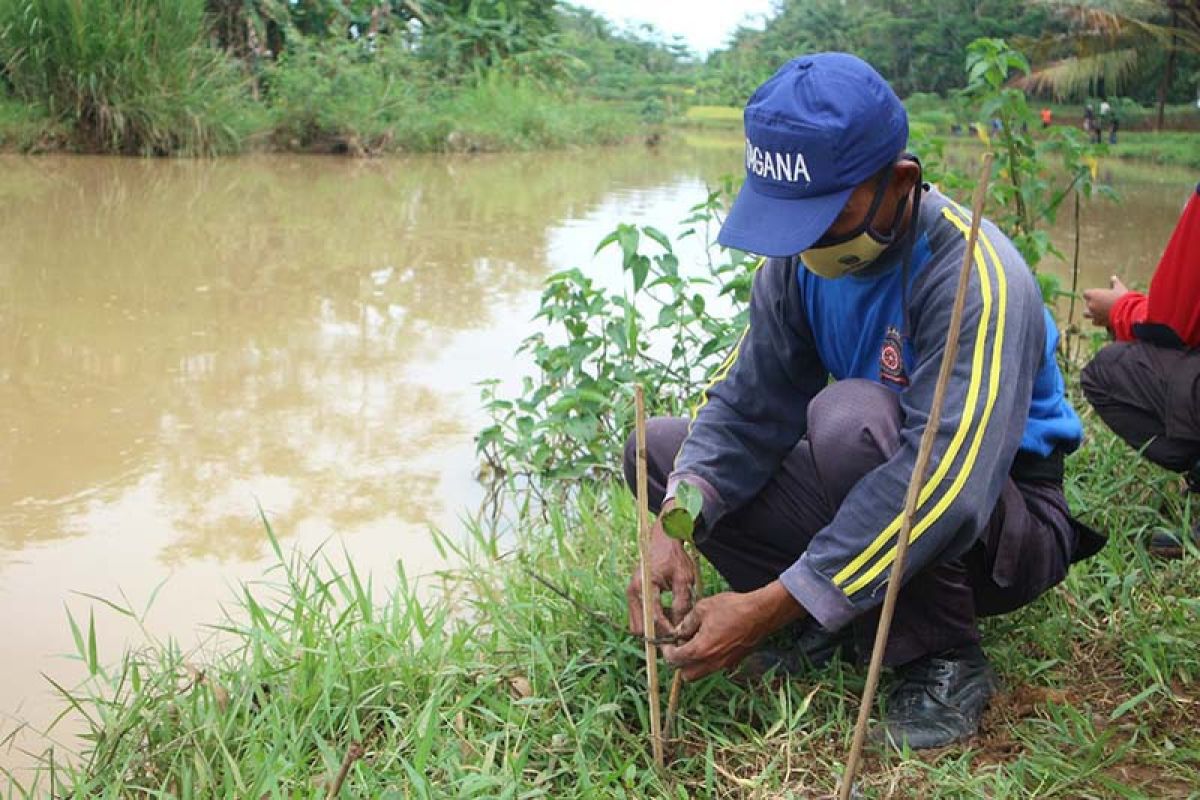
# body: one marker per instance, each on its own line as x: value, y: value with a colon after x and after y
x: 853, y: 427
x: 1150, y: 397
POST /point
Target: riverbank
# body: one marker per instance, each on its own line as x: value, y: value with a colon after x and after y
x: 196, y: 78
x: 494, y: 116
x: 1179, y: 147
x: 500, y: 687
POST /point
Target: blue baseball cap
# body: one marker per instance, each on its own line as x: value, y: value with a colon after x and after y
x: 821, y: 125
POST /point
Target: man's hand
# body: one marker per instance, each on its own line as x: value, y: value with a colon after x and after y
x: 1100, y: 301
x: 671, y: 570
x: 722, y: 629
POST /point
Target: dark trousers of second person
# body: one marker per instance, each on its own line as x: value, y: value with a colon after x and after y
x: 854, y: 426
x: 1149, y: 395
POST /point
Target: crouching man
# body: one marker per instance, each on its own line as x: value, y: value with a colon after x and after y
x: 1146, y: 385
x: 803, y: 480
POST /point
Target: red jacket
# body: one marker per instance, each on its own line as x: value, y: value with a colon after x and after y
x: 1171, y: 313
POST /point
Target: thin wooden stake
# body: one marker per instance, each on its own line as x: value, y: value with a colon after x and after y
x: 915, y: 484
x: 656, y: 739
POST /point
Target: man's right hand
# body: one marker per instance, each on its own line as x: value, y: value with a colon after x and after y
x: 671, y: 570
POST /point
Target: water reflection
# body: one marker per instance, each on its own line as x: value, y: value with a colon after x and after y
x: 230, y: 324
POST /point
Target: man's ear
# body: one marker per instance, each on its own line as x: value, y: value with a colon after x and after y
x: 905, y: 174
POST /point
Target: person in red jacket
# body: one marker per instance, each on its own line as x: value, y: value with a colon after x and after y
x: 1146, y: 385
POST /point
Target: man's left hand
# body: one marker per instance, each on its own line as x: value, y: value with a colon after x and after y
x: 1098, y: 303
x: 723, y: 628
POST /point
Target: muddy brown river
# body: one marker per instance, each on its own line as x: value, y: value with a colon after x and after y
x: 184, y: 342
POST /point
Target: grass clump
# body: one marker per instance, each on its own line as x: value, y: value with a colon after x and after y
x: 144, y: 77
x: 500, y: 688
x: 722, y: 117
x: 126, y: 76
x: 1174, y: 148
x: 334, y: 95
x: 338, y: 97
x: 26, y: 127
x: 500, y: 113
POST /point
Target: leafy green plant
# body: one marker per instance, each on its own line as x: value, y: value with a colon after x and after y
x: 1034, y: 174
x: 570, y: 417
x: 128, y: 76
x: 337, y: 94
x: 679, y: 522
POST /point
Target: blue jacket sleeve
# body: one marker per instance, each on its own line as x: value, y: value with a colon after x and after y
x: 755, y: 409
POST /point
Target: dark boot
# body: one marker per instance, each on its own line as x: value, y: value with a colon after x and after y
x: 1163, y: 543
x: 1167, y: 544
x: 938, y: 700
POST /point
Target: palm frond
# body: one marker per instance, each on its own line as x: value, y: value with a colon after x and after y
x: 1070, y: 77
x: 1118, y: 20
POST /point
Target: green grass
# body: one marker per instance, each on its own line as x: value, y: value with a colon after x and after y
x: 499, y: 688
x: 329, y: 97
x: 1175, y: 148
x: 126, y: 76
x: 713, y: 117
x: 25, y: 127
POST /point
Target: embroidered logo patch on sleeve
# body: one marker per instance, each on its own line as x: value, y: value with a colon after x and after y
x: 891, y: 359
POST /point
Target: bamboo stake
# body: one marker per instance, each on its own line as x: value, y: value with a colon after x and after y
x: 915, y: 484
x: 656, y: 739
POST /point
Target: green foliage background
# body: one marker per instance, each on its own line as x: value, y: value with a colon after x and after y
x: 360, y: 76
x: 199, y: 77
x: 918, y: 44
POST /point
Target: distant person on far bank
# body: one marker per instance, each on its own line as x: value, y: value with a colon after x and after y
x: 1107, y: 119
x: 1047, y: 117
x: 1146, y: 385
x: 1089, y: 120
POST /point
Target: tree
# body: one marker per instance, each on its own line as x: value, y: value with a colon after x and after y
x: 917, y: 45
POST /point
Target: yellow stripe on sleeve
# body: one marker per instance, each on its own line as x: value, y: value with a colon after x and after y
x: 960, y: 435
x: 977, y: 441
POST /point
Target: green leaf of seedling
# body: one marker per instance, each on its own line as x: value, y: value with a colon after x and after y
x: 678, y: 524
x: 680, y: 521
x: 690, y: 498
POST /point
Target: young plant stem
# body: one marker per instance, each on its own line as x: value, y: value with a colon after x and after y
x: 924, y: 454
x: 677, y: 678
x: 353, y: 753
x: 643, y: 503
x: 1072, y: 336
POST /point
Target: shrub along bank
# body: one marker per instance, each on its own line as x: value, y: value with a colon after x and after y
x: 141, y: 77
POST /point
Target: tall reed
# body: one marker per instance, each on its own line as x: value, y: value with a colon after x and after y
x: 128, y: 76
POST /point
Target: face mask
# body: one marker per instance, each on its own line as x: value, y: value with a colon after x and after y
x: 858, y: 249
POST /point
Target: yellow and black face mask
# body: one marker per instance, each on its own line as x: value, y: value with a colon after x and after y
x: 858, y: 249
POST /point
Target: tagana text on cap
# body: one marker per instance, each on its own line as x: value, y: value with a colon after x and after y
x: 819, y: 127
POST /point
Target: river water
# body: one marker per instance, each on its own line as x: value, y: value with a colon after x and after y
x: 182, y: 342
